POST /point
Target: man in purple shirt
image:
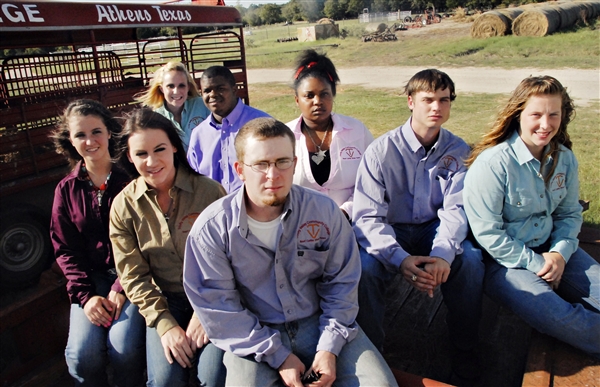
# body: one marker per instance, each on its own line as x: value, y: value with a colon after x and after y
x: 211, y: 151
x: 272, y: 272
x: 409, y: 219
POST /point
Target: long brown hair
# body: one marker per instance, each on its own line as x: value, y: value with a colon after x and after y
x: 509, y: 117
x: 83, y: 107
x: 143, y: 119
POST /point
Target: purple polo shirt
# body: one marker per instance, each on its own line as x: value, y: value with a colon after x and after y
x: 79, y: 231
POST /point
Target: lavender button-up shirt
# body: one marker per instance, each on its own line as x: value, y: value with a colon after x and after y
x: 238, y: 286
x: 212, y: 151
x: 398, y: 182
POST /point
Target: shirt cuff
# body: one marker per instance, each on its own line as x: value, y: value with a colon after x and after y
x: 397, y: 259
x: 331, y: 342
x: 164, y: 322
x: 276, y: 359
x: 536, y: 264
x: 446, y: 254
x: 116, y: 286
x: 563, y: 248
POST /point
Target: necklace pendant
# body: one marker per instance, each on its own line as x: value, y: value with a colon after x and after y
x: 318, y: 157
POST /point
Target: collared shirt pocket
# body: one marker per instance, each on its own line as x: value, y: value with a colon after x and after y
x: 518, y: 204
x: 309, y: 264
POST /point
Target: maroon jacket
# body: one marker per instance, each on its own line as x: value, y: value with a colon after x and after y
x: 79, y: 231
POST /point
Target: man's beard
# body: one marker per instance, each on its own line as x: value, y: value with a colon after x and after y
x: 274, y: 201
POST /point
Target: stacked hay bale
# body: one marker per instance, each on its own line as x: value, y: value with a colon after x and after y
x: 497, y: 22
x: 539, y: 19
x: 545, y: 20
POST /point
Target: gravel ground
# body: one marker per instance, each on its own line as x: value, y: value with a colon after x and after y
x: 583, y: 85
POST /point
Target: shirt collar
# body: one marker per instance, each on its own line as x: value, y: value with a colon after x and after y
x: 243, y: 213
x: 518, y: 146
x: 412, y: 140
x: 182, y: 182
x: 77, y: 172
x: 231, y: 117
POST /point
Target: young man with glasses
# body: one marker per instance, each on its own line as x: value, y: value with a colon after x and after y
x: 272, y: 272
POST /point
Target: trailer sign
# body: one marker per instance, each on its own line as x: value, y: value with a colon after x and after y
x: 17, y: 13
x: 19, y: 16
x: 114, y: 13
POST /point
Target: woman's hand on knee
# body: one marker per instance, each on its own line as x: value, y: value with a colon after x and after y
x: 175, y: 345
x: 553, y: 269
x: 118, y: 300
x: 99, y: 311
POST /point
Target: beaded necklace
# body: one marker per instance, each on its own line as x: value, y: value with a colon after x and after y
x: 99, y: 190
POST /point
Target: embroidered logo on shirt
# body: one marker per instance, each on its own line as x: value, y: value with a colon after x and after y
x: 186, y: 223
x: 449, y: 163
x: 558, y: 182
x: 313, y: 231
x: 195, y: 121
x: 350, y: 153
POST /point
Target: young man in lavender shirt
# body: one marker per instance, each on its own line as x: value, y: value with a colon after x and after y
x: 272, y: 272
x: 409, y: 219
x: 211, y: 151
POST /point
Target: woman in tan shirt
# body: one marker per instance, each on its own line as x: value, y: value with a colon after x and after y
x: 149, y: 223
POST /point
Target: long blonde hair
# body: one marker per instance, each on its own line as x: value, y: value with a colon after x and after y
x: 153, y: 97
x: 508, y: 118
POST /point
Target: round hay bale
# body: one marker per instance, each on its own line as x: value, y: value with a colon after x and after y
x: 570, y: 13
x: 539, y: 21
x: 494, y: 23
x: 375, y: 27
x: 592, y: 9
x: 326, y: 20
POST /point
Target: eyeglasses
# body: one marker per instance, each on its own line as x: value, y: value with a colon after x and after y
x: 263, y: 166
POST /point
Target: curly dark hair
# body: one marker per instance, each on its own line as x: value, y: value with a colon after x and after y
x: 143, y: 119
x: 83, y: 107
x: 312, y: 64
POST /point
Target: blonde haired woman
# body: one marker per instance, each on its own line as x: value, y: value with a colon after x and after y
x: 173, y: 93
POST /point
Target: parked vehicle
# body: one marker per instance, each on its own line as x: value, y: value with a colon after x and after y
x: 54, y: 52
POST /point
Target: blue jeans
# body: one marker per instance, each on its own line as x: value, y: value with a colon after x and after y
x: 462, y: 292
x: 207, y: 363
x: 571, y: 313
x: 91, y: 348
x: 358, y: 364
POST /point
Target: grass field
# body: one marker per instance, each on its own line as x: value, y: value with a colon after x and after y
x: 445, y: 44
x: 382, y: 110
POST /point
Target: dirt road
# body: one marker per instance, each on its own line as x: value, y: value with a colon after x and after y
x: 583, y: 85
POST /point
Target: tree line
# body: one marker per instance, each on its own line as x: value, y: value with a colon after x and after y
x: 313, y: 10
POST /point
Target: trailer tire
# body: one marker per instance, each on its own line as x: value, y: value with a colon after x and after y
x: 24, y: 251
x: 408, y: 19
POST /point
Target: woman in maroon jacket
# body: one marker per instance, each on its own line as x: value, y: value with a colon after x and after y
x: 104, y: 326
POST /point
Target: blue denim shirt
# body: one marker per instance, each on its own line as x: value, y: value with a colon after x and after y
x: 398, y: 182
x: 511, y: 210
x: 238, y: 286
x: 212, y: 151
x: 194, y: 112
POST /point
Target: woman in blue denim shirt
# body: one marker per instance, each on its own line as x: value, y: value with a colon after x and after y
x: 521, y: 198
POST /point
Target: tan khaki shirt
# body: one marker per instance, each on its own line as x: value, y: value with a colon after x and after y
x: 148, y: 250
